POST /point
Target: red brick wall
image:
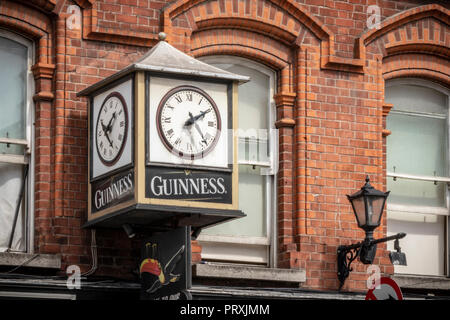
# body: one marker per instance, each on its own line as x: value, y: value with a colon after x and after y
x: 330, y: 98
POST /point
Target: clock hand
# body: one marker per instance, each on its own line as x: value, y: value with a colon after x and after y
x: 192, y: 119
x: 107, y: 137
x: 200, y: 131
x: 103, y: 126
x: 108, y: 127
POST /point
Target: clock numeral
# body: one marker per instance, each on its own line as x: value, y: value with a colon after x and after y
x: 120, y: 137
x: 169, y: 106
x: 200, y: 101
x: 178, y: 141
x: 189, y: 146
x: 179, y: 99
x: 122, y: 123
x: 207, y: 136
x: 120, y: 112
x: 211, y: 124
x: 101, y: 145
x: 167, y: 120
x: 189, y: 96
x: 170, y: 133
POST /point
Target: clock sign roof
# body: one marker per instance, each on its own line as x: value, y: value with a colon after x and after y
x: 165, y: 58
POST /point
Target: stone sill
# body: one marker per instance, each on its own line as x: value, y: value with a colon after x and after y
x: 229, y: 271
x: 409, y: 281
x: 47, y: 261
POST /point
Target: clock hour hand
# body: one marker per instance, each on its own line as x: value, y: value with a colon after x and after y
x: 104, y: 128
x: 198, y: 128
x: 109, y: 140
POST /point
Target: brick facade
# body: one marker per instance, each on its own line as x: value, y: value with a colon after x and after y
x: 330, y: 106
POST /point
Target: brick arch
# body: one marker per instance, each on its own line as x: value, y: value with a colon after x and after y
x: 400, y: 20
x: 47, y: 5
x: 244, y: 44
x: 30, y: 23
x: 285, y: 21
x: 414, y: 43
x: 407, y: 41
x: 284, y: 14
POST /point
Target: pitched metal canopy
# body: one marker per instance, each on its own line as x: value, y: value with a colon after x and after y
x: 164, y: 58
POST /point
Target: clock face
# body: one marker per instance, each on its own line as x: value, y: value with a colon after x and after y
x: 188, y: 122
x: 112, y: 127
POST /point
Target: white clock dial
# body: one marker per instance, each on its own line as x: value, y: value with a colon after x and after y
x: 188, y: 122
x: 112, y: 127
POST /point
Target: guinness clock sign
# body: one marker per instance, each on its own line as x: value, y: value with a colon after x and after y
x: 162, y: 151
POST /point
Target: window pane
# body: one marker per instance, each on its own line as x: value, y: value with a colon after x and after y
x: 252, y: 197
x: 13, y: 92
x: 417, y: 145
x: 253, y: 97
x: 253, y: 146
x: 10, y: 184
x: 424, y: 244
x: 254, y: 150
x: 414, y: 98
x: 417, y: 193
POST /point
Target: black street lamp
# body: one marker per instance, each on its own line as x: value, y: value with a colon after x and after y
x: 368, y: 205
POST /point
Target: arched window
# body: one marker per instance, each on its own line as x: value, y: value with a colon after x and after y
x: 418, y: 173
x: 250, y: 239
x: 16, y: 55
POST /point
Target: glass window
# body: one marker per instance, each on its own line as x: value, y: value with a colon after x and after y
x: 418, y: 172
x: 15, y: 133
x: 13, y: 90
x: 256, y: 167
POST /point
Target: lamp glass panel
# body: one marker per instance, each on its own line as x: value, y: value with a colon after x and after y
x: 360, y: 210
x: 376, y: 204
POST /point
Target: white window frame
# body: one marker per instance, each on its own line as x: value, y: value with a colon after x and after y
x: 393, y: 175
x: 28, y: 143
x: 269, y: 241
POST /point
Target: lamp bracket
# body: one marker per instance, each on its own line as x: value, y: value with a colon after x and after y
x: 347, y: 254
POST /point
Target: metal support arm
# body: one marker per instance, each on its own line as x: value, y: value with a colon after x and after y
x: 347, y: 254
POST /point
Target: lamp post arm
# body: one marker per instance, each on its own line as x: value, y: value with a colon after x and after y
x: 399, y: 235
x: 347, y: 254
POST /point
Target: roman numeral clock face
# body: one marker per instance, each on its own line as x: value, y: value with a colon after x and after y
x: 112, y: 128
x: 188, y: 122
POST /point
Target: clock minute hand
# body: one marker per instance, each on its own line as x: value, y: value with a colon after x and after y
x: 108, y: 127
x: 192, y: 119
x: 202, y: 114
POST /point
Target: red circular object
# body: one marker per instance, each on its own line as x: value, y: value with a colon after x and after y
x: 388, y: 282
